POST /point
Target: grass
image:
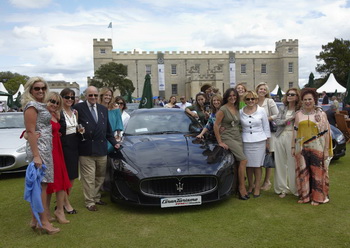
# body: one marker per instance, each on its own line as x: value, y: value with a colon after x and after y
x: 267, y: 221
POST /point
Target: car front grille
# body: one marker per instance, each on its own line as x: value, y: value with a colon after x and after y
x: 6, y: 161
x: 173, y: 186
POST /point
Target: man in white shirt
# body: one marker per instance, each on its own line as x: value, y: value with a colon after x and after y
x: 183, y: 104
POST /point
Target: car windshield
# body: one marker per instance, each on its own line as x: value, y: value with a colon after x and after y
x: 161, y: 122
x: 11, y: 121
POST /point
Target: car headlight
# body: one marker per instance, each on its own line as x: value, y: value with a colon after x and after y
x: 227, y: 161
x: 126, y: 168
x: 341, y: 139
x: 22, y: 149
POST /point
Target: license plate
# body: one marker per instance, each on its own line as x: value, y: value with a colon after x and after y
x: 180, y: 201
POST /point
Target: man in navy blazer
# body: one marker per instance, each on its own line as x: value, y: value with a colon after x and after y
x: 93, y: 150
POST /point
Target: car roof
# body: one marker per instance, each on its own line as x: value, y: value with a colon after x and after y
x: 158, y: 110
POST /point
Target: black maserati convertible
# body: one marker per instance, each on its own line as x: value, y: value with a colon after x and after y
x: 161, y: 162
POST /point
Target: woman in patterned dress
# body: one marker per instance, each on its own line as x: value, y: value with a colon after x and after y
x: 312, y: 148
x: 39, y: 147
x: 228, y: 120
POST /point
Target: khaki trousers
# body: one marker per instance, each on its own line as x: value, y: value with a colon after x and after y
x: 92, y: 172
x: 284, y: 180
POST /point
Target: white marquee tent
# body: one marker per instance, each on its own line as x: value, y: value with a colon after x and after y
x: 275, y: 90
x: 20, y: 90
x: 3, y: 89
x: 331, y: 85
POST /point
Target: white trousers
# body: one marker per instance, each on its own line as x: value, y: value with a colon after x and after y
x: 284, y: 180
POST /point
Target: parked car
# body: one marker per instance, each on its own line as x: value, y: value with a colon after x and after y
x: 162, y: 163
x: 131, y: 107
x: 339, y: 143
x: 12, y: 148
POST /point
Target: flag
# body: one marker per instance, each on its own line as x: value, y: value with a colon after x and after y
x: 110, y: 25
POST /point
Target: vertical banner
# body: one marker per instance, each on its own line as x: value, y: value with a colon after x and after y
x: 232, y: 70
x: 161, y: 81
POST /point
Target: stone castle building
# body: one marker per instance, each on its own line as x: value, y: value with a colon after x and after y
x: 185, y: 73
x: 58, y: 86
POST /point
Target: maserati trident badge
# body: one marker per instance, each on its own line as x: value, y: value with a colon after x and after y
x: 180, y: 187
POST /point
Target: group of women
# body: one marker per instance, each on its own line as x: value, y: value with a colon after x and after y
x: 301, y: 145
x: 51, y: 131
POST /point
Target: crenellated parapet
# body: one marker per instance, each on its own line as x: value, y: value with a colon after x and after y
x: 289, y: 42
x: 102, y: 42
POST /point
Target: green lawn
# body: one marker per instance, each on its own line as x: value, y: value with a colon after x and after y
x: 267, y: 221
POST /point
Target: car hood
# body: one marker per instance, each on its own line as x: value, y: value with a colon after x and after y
x: 10, y: 138
x: 166, y: 155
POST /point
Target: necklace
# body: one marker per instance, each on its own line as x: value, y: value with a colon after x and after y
x: 308, y: 113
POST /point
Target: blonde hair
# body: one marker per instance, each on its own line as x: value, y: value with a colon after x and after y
x: 251, y: 93
x: 101, y: 93
x: 27, y: 95
x: 267, y: 89
x: 57, y: 97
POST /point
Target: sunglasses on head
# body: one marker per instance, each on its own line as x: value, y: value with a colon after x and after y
x: 39, y: 88
x: 54, y: 102
x: 69, y: 97
x: 250, y: 99
x: 93, y: 95
x: 291, y: 94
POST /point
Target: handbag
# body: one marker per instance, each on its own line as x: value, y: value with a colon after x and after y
x: 273, y: 126
x: 269, y: 161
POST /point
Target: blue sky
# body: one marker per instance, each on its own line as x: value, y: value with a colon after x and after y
x: 53, y: 38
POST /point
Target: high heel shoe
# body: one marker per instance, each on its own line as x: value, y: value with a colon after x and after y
x: 243, y: 197
x: 52, y: 231
x: 33, y: 225
x: 61, y: 220
x: 266, y: 186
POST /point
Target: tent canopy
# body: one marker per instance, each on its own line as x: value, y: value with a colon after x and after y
x: 331, y: 86
x: 274, y: 92
x: 3, y: 89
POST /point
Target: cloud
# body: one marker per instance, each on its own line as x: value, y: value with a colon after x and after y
x: 58, y: 41
x: 30, y: 4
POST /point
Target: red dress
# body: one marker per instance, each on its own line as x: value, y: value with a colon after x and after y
x: 61, y: 179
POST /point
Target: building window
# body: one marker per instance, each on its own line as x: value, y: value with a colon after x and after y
x: 197, y: 67
x: 174, y: 89
x: 173, y: 69
x: 102, y: 51
x: 290, y: 50
x: 243, y: 68
x: 290, y: 67
x: 263, y: 68
x: 290, y: 84
x: 148, y: 69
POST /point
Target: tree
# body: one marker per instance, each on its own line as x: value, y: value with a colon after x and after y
x: 12, y: 81
x: 336, y: 60
x: 311, y: 83
x: 113, y: 75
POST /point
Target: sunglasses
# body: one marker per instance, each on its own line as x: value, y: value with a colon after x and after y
x: 69, y: 97
x: 39, y: 88
x: 250, y: 99
x: 54, y: 102
x: 93, y: 95
x: 120, y: 103
x: 291, y: 94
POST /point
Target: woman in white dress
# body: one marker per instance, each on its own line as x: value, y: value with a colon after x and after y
x: 255, y: 136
